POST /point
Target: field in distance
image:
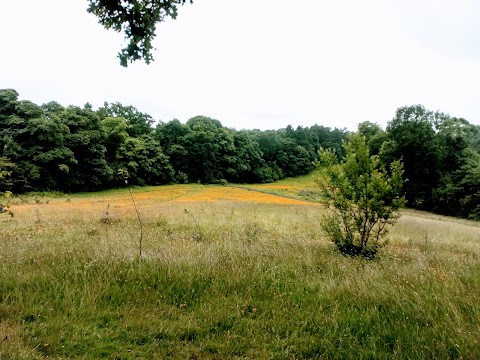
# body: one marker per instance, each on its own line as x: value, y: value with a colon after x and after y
x: 229, y: 273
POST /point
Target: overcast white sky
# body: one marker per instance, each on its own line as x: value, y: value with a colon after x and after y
x: 255, y: 63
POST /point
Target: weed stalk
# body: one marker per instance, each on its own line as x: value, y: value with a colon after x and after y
x: 198, y: 235
x: 139, y: 221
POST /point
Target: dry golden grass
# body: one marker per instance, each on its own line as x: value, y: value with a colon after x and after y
x: 436, y: 230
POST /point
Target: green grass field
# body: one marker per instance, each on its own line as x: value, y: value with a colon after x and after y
x: 240, y: 275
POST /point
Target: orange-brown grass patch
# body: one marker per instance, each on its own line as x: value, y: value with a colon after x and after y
x: 218, y: 193
x: 118, y: 204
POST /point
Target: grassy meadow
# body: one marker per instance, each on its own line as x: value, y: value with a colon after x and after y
x: 229, y: 273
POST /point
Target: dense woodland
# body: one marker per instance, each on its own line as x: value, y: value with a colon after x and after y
x: 72, y: 149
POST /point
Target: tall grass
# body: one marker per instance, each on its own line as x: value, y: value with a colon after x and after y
x: 261, y: 283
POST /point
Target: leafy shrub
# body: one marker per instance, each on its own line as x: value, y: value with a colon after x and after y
x: 363, y: 195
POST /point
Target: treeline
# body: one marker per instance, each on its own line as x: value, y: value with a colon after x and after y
x: 73, y: 149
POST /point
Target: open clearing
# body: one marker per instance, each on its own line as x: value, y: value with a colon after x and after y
x: 229, y: 273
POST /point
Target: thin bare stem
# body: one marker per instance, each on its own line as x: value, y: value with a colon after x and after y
x: 139, y: 221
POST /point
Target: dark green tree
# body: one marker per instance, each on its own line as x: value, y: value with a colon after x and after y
x: 455, y: 193
x: 470, y: 185
x: 171, y: 137
x: 10, y: 123
x: 44, y: 146
x: 294, y: 159
x: 328, y: 138
x: 211, y: 150
x: 34, y: 139
x: 86, y: 141
x: 474, y: 137
x: 142, y: 157
x: 415, y: 142
x: 271, y: 146
x: 304, y: 138
x: 8, y: 102
x: 374, y: 135
x: 249, y: 164
x: 5, y: 194
x: 139, y: 123
x: 440, y: 160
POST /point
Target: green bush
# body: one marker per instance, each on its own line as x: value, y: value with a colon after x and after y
x: 364, y: 197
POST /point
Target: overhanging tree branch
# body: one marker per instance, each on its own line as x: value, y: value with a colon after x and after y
x: 138, y: 20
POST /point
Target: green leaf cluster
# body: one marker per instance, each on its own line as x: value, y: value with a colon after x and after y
x: 138, y: 20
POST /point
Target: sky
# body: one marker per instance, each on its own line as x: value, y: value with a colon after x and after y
x: 255, y: 64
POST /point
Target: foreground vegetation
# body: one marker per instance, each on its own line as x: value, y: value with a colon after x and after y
x: 241, y: 274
